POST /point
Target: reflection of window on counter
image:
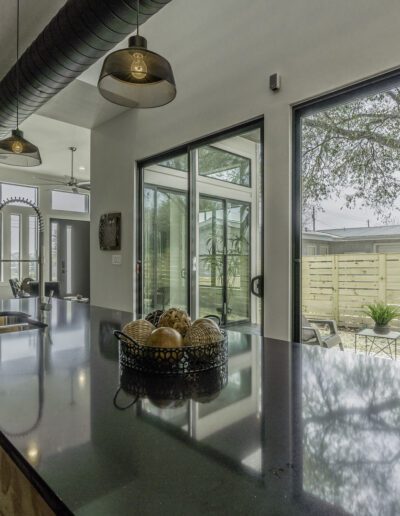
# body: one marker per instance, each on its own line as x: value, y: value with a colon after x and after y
x: 175, y: 413
x: 239, y: 343
x: 238, y: 388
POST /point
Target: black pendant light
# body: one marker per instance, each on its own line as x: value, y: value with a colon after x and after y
x: 136, y: 77
x: 15, y: 150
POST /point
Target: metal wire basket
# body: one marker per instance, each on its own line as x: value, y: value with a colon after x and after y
x: 171, y: 361
x: 200, y: 386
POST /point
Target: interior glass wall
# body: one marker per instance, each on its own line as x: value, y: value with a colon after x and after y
x: 201, y: 229
x: 165, y: 235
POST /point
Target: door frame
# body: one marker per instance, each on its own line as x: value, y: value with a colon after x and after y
x: 189, y: 149
x: 348, y: 93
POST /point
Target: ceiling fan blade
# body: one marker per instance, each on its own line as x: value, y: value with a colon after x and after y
x: 84, y: 186
x: 54, y: 184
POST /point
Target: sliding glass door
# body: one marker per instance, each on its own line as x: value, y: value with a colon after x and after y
x: 201, y: 214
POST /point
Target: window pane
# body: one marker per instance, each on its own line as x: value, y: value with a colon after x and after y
x: 10, y: 190
x: 223, y: 165
x: 33, y: 247
x: 15, y: 225
x: 68, y: 201
x: 238, y: 260
x: 54, y: 251
x: 165, y: 251
x: 211, y: 256
x: 177, y: 163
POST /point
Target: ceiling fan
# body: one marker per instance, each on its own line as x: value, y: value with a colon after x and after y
x: 70, y: 181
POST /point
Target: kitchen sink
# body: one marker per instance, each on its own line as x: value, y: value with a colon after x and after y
x: 11, y: 322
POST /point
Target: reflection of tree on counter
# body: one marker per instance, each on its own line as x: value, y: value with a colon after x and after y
x: 351, y: 417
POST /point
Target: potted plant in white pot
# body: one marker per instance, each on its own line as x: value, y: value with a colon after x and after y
x: 382, y: 314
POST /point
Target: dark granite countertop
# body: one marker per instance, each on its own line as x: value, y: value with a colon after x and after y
x: 297, y: 429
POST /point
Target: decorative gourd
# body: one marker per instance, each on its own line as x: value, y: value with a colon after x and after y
x: 202, y: 333
x: 205, y: 320
x: 139, y: 330
x: 154, y: 317
x: 165, y: 338
x: 177, y: 319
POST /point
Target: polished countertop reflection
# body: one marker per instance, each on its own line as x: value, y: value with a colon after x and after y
x: 295, y: 430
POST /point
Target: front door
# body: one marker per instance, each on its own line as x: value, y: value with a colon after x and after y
x: 70, y: 256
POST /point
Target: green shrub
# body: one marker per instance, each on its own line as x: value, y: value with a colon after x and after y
x: 382, y: 313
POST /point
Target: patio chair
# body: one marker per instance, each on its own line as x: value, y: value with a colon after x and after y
x: 312, y: 334
x: 14, y: 284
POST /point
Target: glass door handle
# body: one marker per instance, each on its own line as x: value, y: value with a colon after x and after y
x: 257, y: 286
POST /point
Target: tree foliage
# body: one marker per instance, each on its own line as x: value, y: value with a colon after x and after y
x: 353, y: 150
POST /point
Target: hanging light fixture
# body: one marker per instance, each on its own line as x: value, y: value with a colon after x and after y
x: 15, y: 150
x: 136, y: 77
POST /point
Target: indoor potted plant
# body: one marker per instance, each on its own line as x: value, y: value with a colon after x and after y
x: 382, y: 314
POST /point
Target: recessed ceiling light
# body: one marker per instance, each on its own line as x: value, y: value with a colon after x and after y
x: 82, y: 168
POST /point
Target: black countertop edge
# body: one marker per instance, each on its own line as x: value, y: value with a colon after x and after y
x: 48, y: 495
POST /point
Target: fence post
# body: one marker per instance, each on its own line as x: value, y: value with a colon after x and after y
x: 335, y: 287
x: 382, y: 277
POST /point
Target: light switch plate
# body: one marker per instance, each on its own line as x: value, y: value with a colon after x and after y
x: 116, y: 259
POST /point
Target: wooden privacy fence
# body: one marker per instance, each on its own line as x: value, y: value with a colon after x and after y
x: 339, y: 286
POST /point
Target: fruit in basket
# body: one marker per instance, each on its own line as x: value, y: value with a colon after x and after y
x: 165, y: 337
x: 139, y: 330
x: 205, y: 320
x: 154, y: 317
x: 201, y: 334
x: 177, y: 319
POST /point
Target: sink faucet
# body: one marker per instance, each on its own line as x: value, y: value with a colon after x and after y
x: 21, y: 200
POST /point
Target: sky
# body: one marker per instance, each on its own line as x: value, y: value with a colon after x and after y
x: 337, y: 216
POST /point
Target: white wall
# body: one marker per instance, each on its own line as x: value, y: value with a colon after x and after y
x: 222, y: 54
x: 10, y: 175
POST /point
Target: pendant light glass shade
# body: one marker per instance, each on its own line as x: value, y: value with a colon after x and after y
x: 136, y: 77
x: 17, y: 151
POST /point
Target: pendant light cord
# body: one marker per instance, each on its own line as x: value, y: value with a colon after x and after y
x: 137, y: 17
x: 17, y: 64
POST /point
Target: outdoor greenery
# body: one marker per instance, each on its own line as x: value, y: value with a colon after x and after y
x: 354, y: 148
x: 381, y: 313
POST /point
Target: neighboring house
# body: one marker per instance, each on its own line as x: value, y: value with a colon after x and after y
x: 381, y: 239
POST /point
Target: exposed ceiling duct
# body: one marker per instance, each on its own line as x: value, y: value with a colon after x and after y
x: 81, y: 33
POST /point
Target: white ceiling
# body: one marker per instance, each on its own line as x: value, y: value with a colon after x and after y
x: 53, y: 139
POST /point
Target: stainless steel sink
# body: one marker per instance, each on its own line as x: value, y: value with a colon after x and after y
x: 11, y: 322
